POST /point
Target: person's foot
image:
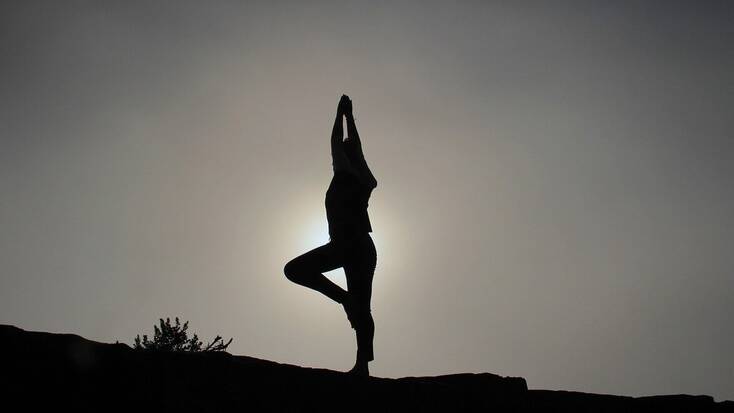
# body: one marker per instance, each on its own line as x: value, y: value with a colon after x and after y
x: 348, y: 304
x: 360, y: 370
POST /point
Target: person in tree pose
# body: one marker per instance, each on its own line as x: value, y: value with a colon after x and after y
x: 350, y: 245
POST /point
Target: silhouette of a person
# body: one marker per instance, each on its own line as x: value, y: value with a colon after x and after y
x: 350, y: 245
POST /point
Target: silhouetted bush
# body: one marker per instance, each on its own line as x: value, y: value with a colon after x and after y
x: 170, y: 337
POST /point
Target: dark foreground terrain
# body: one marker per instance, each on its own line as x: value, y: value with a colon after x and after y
x: 68, y: 373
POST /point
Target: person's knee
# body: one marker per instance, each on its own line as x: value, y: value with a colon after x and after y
x: 291, y: 271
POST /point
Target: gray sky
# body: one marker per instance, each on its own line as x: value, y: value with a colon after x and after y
x: 554, y: 198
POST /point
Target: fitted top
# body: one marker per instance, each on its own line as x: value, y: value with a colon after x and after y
x: 346, y: 206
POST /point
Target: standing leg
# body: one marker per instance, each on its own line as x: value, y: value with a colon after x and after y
x: 360, y: 292
x: 307, y: 270
x: 359, y: 270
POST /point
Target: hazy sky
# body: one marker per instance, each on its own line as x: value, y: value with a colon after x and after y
x: 555, y: 181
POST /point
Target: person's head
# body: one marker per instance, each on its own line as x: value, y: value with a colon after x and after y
x: 352, y: 151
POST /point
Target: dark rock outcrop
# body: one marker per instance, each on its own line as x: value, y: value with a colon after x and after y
x: 65, y: 371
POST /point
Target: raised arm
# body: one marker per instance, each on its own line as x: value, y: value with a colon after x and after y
x: 339, y: 159
x: 360, y: 164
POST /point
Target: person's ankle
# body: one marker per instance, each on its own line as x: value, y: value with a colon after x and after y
x: 361, y: 368
x: 348, y: 305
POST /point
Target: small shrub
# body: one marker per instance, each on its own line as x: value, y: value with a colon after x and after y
x: 173, y: 337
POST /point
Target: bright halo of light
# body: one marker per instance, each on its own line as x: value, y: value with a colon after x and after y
x: 314, y: 234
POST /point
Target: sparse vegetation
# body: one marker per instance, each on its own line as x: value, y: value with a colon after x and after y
x: 174, y: 337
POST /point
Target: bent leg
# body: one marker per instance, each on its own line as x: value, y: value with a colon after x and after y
x: 307, y: 269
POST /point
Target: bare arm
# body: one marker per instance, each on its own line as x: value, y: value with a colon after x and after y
x: 363, y: 171
x: 339, y: 159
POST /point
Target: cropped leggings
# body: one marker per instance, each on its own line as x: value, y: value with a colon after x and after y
x: 358, y: 257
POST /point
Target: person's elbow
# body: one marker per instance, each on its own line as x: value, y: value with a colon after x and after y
x: 372, y: 183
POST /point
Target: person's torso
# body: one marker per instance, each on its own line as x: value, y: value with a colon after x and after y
x: 346, y: 206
